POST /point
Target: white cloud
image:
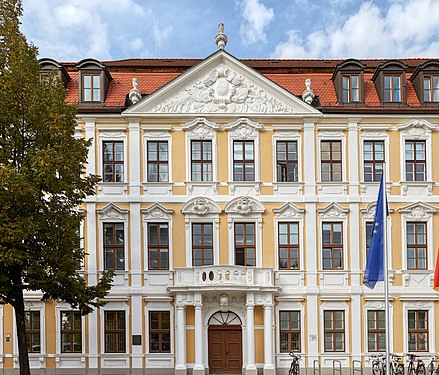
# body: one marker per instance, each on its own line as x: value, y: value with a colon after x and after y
x: 256, y: 17
x: 75, y: 29
x: 408, y: 29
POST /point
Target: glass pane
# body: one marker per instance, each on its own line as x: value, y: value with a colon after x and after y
x: 249, y: 151
x: 163, y: 151
x: 152, y: 151
x: 237, y: 151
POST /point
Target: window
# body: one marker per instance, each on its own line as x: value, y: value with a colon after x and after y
x: 91, y: 88
x: 113, y: 161
x: 331, y: 161
x: 332, y: 246
x: 392, y: 88
x: 243, y: 161
x: 202, y: 244
x: 115, y: 336
x: 71, y: 332
x: 158, y: 246
x: 114, y: 249
x: 158, y: 169
x: 431, y: 89
x: 201, y: 160
x: 33, y: 334
x: 351, y: 89
x: 334, y: 331
x: 373, y: 156
x: 369, y: 226
x: 286, y: 159
x: 376, y: 331
x: 159, y: 332
x: 289, y: 331
x: 418, y: 330
x: 416, y: 246
x: 245, y: 249
x: 289, y: 246
x: 415, y: 163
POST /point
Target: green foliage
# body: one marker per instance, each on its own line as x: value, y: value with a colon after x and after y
x: 42, y: 180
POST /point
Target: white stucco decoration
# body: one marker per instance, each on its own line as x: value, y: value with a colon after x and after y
x: 418, y: 211
x: 417, y: 129
x: 111, y: 211
x: 289, y: 211
x: 201, y: 206
x: 244, y: 206
x: 201, y: 128
x: 157, y: 211
x: 333, y: 210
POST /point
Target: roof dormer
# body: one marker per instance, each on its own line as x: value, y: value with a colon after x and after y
x: 425, y: 80
x: 50, y: 65
x: 94, y: 79
x: 348, y: 81
x: 390, y: 82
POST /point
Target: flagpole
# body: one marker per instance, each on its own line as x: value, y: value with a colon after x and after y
x: 386, y: 271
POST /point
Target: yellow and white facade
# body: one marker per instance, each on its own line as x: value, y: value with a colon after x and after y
x: 168, y: 314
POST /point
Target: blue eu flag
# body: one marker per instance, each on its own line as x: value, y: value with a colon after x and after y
x: 374, y: 271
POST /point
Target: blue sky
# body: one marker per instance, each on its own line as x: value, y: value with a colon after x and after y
x: 70, y: 30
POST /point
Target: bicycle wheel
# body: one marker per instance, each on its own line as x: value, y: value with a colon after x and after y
x: 290, y: 371
x: 420, y: 370
x: 430, y: 368
x: 376, y: 368
x: 296, y: 369
x: 400, y: 369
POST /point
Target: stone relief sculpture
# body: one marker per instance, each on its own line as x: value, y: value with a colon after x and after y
x: 308, y: 95
x: 135, y: 95
x: 224, y: 302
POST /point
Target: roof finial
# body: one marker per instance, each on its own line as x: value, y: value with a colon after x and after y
x: 221, y: 38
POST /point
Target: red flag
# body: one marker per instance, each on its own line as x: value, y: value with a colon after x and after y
x: 436, y: 274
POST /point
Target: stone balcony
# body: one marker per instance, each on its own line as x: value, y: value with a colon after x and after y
x: 223, y: 277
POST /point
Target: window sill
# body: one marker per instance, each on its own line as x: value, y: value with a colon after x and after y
x: 372, y: 187
x: 238, y: 188
x: 290, y: 188
x: 202, y: 187
x: 157, y: 188
x: 332, y: 188
x: 112, y: 188
x: 419, y: 188
x: 418, y: 278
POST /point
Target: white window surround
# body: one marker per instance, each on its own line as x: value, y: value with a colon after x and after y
x: 373, y: 133
x: 156, y: 213
x: 157, y: 134
x: 116, y: 134
x: 373, y: 304
x: 418, y: 212
x: 289, y: 213
x: 287, y: 133
x: 333, y: 213
x: 417, y: 130
x: 159, y: 306
x: 244, y: 129
x: 63, y: 306
x: 292, y: 305
x: 244, y: 210
x: 368, y: 216
x: 115, y: 304
x: 201, y: 210
x: 337, y: 303
x: 420, y: 303
x: 112, y: 214
x: 201, y: 129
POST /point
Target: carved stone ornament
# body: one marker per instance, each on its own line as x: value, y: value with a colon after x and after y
x: 201, y: 207
x: 417, y: 129
x: 157, y: 211
x: 112, y: 212
x: 224, y: 302
x: 244, y: 206
x: 222, y: 90
x: 289, y: 210
x: 200, y: 128
x: 135, y: 95
x: 333, y: 210
x: 221, y: 38
x: 418, y: 211
x: 308, y: 95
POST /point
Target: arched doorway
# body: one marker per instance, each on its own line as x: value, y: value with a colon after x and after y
x: 225, y: 343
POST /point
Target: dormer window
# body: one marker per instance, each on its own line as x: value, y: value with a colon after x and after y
x: 91, y: 86
x: 392, y: 88
x: 389, y: 79
x: 351, y: 88
x: 49, y: 65
x: 348, y: 80
x: 431, y: 88
x: 94, y: 79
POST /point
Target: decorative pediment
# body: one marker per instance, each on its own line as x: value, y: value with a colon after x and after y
x: 417, y: 129
x: 244, y: 206
x: 112, y: 212
x: 201, y: 128
x: 221, y: 84
x: 289, y: 211
x: 201, y: 206
x: 157, y: 212
x: 369, y: 211
x: 243, y: 128
x: 333, y: 210
x: 418, y: 211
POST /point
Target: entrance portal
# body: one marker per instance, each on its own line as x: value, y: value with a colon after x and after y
x: 225, y: 344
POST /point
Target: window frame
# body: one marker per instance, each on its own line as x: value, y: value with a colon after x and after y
x: 376, y: 330
x: 290, y: 331
x: 415, y: 161
x: 350, y: 88
x: 114, y: 246
x: 244, y: 246
x: 430, y: 78
x: 333, y: 245
x: 333, y: 331
x: 157, y: 246
x: 373, y: 162
x: 113, y: 162
x: 202, y: 247
x: 91, y: 74
x: 157, y: 162
x: 159, y: 331
x: 244, y: 162
x: 331, y: 161
x: 417, y: 331
x: 417, y: 247
x: 391, y: 89
x: 31, y: 332
x: 201, y: 161
x: 70, y: 332
x: 289, y: 246
x: 115, y: 331
x: 116, y: 135
x: 287, y: 161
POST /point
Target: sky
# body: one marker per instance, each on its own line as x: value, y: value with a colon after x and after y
x: 71, y: 30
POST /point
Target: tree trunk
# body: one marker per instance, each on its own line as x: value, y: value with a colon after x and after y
x: 20, y: 320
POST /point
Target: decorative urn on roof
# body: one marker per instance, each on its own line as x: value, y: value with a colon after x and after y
x: 221, y: 38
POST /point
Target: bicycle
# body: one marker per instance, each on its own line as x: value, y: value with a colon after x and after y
x: 295, y: 366
x: 396, y: 365
x: 420, y: 367
x: 430, y: 367
x: 378, y: 364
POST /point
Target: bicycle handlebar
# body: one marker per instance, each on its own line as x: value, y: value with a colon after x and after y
x: 297, y: 356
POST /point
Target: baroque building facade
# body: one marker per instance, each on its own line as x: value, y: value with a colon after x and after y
x: 236, y: 203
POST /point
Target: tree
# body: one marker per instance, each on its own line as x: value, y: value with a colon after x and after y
x: 42, y: 184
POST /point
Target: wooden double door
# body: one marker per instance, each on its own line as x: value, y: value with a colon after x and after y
x: 225, y: 349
